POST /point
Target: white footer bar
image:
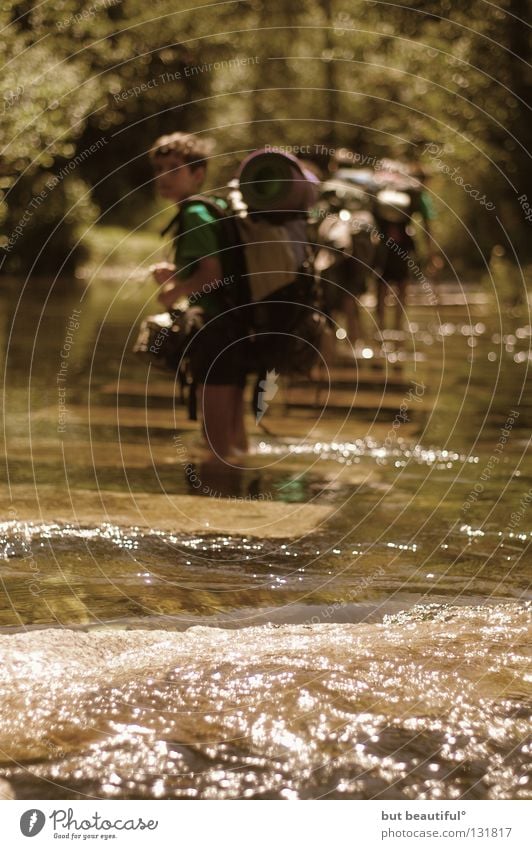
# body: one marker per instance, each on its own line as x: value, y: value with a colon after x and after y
x: 266, y: 824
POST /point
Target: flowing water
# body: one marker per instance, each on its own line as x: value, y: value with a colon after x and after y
x: 345, y: 615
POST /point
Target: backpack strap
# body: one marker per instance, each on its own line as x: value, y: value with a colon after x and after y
x: 171, y: 223
x: 231, y: 243
x: 211, y: 205
x: 229, y: 232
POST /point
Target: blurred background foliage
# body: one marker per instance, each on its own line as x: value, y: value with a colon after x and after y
x: 383, y: 79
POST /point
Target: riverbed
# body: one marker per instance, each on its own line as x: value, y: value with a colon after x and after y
x: 345, y: 613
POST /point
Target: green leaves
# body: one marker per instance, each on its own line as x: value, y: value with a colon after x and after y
x: 374, y: 77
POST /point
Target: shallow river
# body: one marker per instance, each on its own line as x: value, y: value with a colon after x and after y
x: 376, y: 645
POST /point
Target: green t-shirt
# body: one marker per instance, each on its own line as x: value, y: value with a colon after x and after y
x: 426, y: 207
x: 198, y: 237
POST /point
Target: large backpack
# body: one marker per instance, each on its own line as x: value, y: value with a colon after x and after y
x: 275, y: 292
x: 397, y: 195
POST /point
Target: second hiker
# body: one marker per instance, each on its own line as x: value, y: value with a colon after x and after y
x: 201, y: 272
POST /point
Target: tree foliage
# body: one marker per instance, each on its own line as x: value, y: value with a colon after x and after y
x: 439, y: 82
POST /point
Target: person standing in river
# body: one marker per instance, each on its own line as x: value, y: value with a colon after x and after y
x: 404, y: 194
x: 200, y: 272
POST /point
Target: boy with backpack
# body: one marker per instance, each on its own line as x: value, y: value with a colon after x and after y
x: 201, y: 273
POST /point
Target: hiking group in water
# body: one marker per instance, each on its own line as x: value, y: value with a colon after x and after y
x: 259, y: 272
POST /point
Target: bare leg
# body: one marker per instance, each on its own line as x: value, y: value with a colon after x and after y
x: 351, y: 312
x: 327, y: 353
x: 217, y: 403
x: 382, y: 288
x: 239, y: 435
x: 400, y: 304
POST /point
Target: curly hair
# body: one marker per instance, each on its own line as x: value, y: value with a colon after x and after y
x: 189, y: 147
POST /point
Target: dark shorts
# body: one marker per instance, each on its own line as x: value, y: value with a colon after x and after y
x: 392, y: 260
x: 395, y: 268
x: 218, y: 352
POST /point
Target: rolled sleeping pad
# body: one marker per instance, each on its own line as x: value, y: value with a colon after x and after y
x: 394, y: 206
x: 363, y: 177
x: 276, y: 181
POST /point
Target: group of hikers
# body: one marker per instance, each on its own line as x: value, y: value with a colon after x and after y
x: 260, y: 272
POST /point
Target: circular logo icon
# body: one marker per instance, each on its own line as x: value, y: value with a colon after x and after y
x: 32, y: 822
